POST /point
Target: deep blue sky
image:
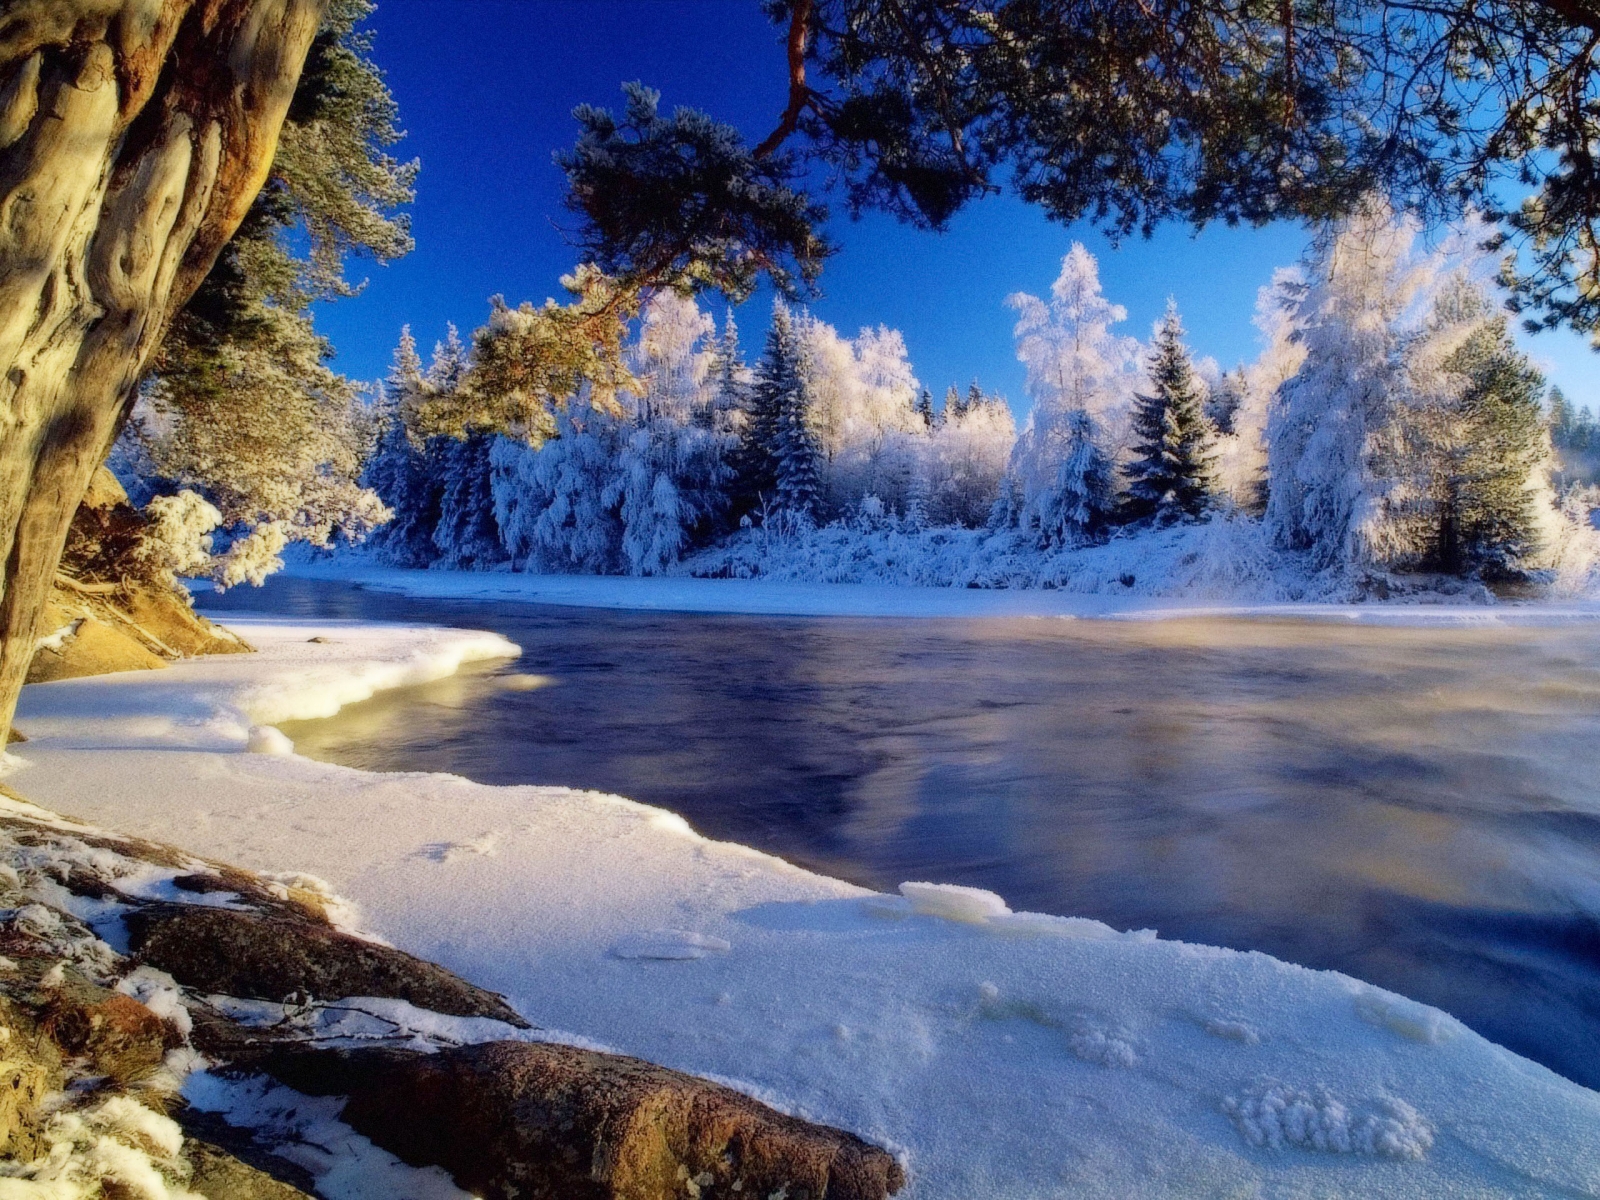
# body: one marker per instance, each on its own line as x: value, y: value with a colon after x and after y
x: 486, y: 89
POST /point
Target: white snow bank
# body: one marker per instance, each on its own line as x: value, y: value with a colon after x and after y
x: 1002, y: 1054
x: 231, y: 702
x: 773, y: 598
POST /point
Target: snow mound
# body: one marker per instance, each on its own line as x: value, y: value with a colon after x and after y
x: 1275, y: 1115
x: 953, y: 902
x: 1413, y: 1021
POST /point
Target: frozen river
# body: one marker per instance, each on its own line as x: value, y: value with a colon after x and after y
x: 1419, y: 808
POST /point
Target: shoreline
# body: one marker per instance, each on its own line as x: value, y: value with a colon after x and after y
x: 998, y: 1053
x: 757, y: 597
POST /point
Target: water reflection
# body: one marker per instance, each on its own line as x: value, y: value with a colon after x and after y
x: 1415, y: 807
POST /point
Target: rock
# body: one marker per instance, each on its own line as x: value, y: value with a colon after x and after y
x: 93, y: 647
x: 272, y: 957
x: 218, y: 1175
x: 547, y: 1122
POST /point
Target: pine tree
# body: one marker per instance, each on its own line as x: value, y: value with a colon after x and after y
x: 1488, y: 524
x: 1083, y: 501
x: 797, y: 488
x: 399, y: 471
x: 1169, y: 478
x: 974, y: 398
x: 777, y: 383
x: 729, y: 380
x: 954, y: 407
x: 465, y: 535
x: 925, y: 408
x: 1225, y: 400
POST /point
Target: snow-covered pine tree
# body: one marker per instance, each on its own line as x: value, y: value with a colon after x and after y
x: 797, y: 487
x: 925, y: 408
x: 954, y: 406
x: 1169, y: 477
x: 1083, y: 501
x: 974, y: 398
x: 671, y: 472
x: 1224, y: 401
x: 466, y: 534
x: 398, y: 470
x: 777, y: 379
x: 729, y: 378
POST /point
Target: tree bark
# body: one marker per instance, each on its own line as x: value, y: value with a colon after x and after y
x: 134, y: 136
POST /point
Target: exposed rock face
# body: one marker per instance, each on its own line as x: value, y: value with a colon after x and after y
x: 218, y: 1175
x: 547, y: 1122
x: 261, y: 957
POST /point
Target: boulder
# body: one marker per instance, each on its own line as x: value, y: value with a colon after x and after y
x: 547, y: 1122
x: 275, y: 956
x: 218, y: 1175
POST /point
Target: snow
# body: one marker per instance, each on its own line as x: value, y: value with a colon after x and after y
x: 769, y: 598
x: 999, y: 1054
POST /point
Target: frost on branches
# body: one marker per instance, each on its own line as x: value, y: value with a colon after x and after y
x: 1388, y: 438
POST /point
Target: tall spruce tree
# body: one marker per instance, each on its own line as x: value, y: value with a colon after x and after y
x: 399, y: 470
x: 1169, y: 478
x: 1488, y: 523
x: 1083, y: 502
x: 776, y: 389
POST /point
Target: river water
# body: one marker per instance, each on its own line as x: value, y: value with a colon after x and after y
x: 1419, y: 808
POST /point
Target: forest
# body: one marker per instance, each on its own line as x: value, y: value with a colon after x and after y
x: 1390, y: 434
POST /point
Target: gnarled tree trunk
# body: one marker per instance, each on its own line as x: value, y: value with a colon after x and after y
x: 134, y: 135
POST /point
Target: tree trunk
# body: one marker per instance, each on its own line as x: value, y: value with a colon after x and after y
x: 134, y: 136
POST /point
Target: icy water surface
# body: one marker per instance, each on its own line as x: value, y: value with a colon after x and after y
x: 1417, y: 808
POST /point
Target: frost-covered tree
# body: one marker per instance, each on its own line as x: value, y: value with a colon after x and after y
x: 557, y: 504
x: 776, y: 382
x: 966, y: 459
x: 629, y: 488
x: 863, y: 408
x: 1082, y: 500
x: 465, y: 534
x: 399, y: 470
x: 729, y: 379
x: 1169, y: 477
x: 1075, y: 364
x: 672, y: 472
x: 1330, y: 433
x: 797, y: 487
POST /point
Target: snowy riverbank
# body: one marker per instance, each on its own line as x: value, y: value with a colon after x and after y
x: 1001, y: 1054
x: 773, y: 598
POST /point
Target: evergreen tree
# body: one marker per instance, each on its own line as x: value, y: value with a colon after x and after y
x: 399, y: 471
x: 1224, y: 401
x: 465, y: 534
x: 797, y: 488
x: 974, y: 398
x: 1169, y: 478
x: 954, y: 407
x: 925, y: 408
x: 1082, y: 502
x: 777, y: 383
x: 1488, y: 522
x: 729, y: 380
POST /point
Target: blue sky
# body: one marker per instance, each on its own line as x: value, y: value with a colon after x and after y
x: 486, y: 89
